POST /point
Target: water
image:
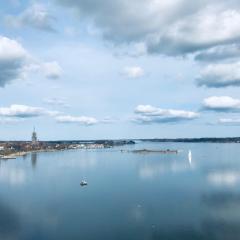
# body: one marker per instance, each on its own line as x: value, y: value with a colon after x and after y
x: 129, y: 195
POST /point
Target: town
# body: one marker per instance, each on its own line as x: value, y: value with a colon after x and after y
x: 13, y: 149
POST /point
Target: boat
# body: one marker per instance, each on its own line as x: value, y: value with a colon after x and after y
x: 83, y: 183
x: 8, y: 157
x: 190, y: 156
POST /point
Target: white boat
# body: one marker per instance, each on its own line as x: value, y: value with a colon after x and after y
x: 83, y: 183
x: 8, y: 157
x: 190, y: 156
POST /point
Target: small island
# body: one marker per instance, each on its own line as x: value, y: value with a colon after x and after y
x: 146, y: 151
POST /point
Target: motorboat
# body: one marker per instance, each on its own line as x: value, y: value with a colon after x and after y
x: 83, y: 183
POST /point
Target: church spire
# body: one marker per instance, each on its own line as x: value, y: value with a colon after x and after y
x: 34, y: 136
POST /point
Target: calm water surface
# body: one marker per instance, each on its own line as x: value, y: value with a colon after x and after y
x: 129, y: 196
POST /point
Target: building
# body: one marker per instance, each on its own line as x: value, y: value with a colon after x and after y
x: 34, y: 137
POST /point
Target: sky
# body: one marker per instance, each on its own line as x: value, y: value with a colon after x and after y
x: 103, y: 69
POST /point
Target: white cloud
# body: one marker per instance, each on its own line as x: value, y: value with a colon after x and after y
x: 16, y: 63
x: 35, y: 16
x: 123, y: 20
x: 172, y: 27
x: 10, y: 50
x: 52, y: 70
x: 219, y: 53
x: 12, y: 60
x: 23, y: 111
x: 133, y: 72
x: 208, y: 30
x: 209, y: 27
x: 83, y: 120
x: 229, y: 121
x: 149, y: 114
x: 220, y: 75
x: 222, y: 103
x: 149, y: 110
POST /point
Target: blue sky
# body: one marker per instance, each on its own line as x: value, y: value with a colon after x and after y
x: 91, y: 69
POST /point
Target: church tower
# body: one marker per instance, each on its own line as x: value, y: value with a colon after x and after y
x: 34, y: 136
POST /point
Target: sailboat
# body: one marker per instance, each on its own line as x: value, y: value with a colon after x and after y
x: 190, y: 157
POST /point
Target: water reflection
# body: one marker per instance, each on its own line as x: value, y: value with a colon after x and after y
x: 9, y: 222
x: 224, y: 178
x: 210, y: 229
x: 12, y: 175
x: 222, y: 210
x: 137, y: 213
x: 85, y: 162
x: 224, y: 199
x: 34, y: 159
x: 181, y: 201
x: 152, y: 168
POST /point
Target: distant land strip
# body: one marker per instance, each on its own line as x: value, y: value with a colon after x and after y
x: 195, y: 140
x: 119, y: 142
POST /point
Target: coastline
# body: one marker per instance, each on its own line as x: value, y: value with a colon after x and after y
x: 12, y: 150
x: 24, y: 153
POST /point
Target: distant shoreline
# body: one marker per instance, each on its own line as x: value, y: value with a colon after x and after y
x: 115, y: 142
x: 194, y: 140
x: 13, y: 149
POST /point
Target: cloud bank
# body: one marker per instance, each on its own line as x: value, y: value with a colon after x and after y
x: 221, y: 104
x: 171, y: 27
x: 52, y: 70
x: 219, y: 53
x: 82, y: 120
x: 12, y: 60
x: 229, y: 121
x: 35, y: 16
x: 16, y: 63
x: 220, y: 75
x: 147, y: 114
x: 24, y: 111
x: 133, y: 72
x: 208, y: 30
